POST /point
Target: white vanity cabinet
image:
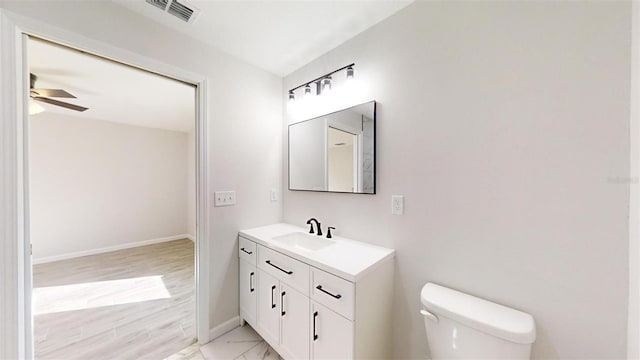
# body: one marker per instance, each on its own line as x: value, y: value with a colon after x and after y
x: 248, y: 291
x: 333, y: 309
x: 247, y: 252
x: 283, y: 303
x: 333, y: 303
x: 268, y: 306
x: 332, y: 334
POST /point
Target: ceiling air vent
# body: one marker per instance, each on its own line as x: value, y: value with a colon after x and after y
x: 180, y: 9
x: 160, y: 4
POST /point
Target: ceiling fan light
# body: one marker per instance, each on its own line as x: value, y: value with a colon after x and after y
x: 34, y: 107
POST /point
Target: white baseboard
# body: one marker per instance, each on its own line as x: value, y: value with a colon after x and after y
x: 224, y: 328
x: 190, y: 237
x: 48, y: 259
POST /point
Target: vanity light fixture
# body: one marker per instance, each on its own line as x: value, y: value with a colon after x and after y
x: 350, y: 73
x: 322, y: 83
x: 326, y: 84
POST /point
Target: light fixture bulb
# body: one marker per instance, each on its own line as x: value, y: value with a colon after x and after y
x: 34, y: 107
x: 350, y: 73
x: 292, y: 95
x: 307, y: 90
x: 326, y: 84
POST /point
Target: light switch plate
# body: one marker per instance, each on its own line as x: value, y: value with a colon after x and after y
x: 225, y: 198
x: 274, y: 195
x: 397, y: 204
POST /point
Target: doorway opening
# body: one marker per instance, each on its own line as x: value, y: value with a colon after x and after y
x: 112, y: 207
x: 343, y: 161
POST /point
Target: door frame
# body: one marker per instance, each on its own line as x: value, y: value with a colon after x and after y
x: 358, y: 152
x: 633, y: 323
x: 16, y: 333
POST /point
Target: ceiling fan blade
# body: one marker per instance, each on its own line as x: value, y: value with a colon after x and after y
x: 60, y: 103
x: 52, y: 93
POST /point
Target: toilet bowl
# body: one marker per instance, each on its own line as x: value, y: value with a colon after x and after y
x: 461, y: 326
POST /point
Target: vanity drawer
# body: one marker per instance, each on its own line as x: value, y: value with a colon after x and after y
x: 247, y: 250
x: 333, y: 292
x: 289, y: 270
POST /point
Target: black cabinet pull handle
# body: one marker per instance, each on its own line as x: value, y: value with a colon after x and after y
x: 248, y: 252
x: 282, y: 312
x: 315, y: 335
x: 251, y: 282
x: 319, y: 287
x: 273, y: 304
x: 279, y: 268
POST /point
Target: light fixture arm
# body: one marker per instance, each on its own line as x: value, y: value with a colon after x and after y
x: 319, y: 79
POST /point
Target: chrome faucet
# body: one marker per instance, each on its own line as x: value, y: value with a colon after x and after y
x: 318, y: 226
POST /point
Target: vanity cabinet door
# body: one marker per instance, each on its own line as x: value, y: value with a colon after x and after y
x: 248, y: 291
x: 332, y: 334
x: 268, y: 323
x: 294, y: 323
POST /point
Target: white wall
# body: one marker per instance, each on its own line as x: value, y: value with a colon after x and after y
x: 191, y: 183
x: 308, y: 155
x: 506, y: 127
x: 245, y: 114
x: 97, y: 184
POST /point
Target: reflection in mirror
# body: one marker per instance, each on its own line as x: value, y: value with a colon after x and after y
x: 334, y: 152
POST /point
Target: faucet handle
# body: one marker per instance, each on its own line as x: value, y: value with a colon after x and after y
x: 329, y: 232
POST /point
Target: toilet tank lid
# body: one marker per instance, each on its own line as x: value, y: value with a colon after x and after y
x: 482, y: 315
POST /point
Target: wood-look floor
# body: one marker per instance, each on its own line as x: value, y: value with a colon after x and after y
x: 136, y: 303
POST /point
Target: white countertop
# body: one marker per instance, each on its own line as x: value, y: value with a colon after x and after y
x: 346, y: 258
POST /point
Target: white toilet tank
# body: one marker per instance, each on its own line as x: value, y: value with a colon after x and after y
x: 461, y: 326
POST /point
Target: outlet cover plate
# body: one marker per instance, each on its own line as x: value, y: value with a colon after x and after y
x: 397, y: 204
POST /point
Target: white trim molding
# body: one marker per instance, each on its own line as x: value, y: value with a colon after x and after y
x: 203, y: 292
x: 633, y: 324
x: 15, y: 260
x: 13, y: 319
x: 107, y: 249
x: 224, y: 328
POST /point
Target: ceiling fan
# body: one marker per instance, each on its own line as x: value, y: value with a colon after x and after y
x: 45, y: 94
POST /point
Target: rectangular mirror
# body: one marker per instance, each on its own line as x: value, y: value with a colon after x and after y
x: 335, y: 152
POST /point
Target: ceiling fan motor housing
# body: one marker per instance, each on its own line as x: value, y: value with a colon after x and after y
x: 33, y: 78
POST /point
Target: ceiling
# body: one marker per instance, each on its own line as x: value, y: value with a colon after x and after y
x: 278, y: 36
x: 112, y: 91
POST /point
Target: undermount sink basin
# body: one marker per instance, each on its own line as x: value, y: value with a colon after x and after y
x: 303, y: 241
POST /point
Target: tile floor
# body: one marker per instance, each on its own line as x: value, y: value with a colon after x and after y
x: 242, y: 343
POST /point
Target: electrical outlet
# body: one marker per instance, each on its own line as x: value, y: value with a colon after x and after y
x: 225, y: 198
x: 274, y: 195
x: 231, y: 197
x: 397, y: 204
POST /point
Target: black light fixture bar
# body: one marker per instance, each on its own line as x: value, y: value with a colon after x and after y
x: 321, y: 77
